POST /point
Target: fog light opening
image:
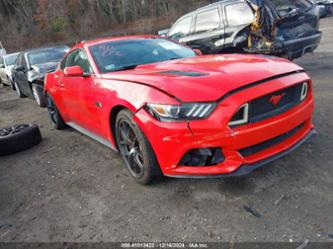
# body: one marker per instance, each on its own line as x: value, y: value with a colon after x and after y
x: 202, y: 157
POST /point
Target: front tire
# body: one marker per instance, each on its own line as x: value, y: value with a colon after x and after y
x: 18, y: 91
x: 54, y: 114
x: 12, y: 85
x: 136, y: 150
x: 38, y: 95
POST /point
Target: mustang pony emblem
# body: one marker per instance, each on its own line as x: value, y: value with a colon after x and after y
x: 275, y: 100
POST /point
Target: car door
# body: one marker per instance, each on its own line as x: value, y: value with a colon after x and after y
x: 208, y: 31
x: 2, y: 69
x: 21, y: 75
x: 77, y: 96
x: 238, y: 15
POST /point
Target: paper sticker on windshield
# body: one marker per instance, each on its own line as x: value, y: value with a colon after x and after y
x: 169, y: 45
x: 110, y: 67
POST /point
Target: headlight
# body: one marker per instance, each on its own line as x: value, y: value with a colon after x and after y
x: 188, y: 111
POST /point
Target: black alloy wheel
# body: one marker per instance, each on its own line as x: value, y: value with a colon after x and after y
x: 130, y: 149
x: 135, y: 149
x: 54, y: 114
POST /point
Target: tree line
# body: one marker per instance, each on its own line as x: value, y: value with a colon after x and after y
x: 31, y: 23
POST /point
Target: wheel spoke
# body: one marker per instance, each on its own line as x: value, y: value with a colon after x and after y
x: 124, y: 132
x: 12, y: 130
x: 138, y: 160
x: 130, y: 149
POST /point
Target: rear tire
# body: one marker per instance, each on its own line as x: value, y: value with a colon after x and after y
x: 38, y: 95
x: 54, y: 114
x: 135, y: 149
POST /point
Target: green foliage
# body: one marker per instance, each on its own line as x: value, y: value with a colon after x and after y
x: 57, y: 25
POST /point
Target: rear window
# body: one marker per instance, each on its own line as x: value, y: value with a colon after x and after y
x: 208, y: 20
x: 286, y: 6
x: 239, y: 14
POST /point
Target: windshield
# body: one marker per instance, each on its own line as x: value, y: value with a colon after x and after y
x: 284, y: 7
x: 127, y: 54
x: 10, y: 59
x: 47, y: 55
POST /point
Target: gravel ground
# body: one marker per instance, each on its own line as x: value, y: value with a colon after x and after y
x: 70, y: 188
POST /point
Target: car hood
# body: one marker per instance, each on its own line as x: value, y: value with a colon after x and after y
x: 205, y: 78
x: 45, y: 67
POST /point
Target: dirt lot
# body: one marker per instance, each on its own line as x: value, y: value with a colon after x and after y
x: 70, y: 188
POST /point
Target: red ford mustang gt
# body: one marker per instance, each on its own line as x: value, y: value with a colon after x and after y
x: 171, y: 112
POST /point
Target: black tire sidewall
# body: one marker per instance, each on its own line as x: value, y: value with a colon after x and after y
x: 18, y: 91
x: 60, y: 124
x: 39, y: 91
x: 20, y: 141
x: 12, y: 84
x: 152, y: 169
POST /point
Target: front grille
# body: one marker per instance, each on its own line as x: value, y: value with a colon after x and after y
x: 269, y: 105
x: 263, y: 107
x: 248, y: 151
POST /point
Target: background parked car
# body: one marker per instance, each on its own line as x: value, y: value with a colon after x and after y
x: 279, y: 27
x: 7, y: 63
x: 31, y: 67
x: 325, y: 7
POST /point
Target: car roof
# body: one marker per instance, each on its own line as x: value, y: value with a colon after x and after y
x: 216, y: 4
x: 209, y: 6
x: 43, y: 48
x: 117, y: 38
x: 8, y: 55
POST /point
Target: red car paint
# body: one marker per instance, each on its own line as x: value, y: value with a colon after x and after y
x: 229, y: 80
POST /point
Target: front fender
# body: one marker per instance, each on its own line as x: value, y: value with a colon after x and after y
x: 132, y: 96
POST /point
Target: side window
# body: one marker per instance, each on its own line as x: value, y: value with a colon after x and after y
x: 2, y: 61
x: 19, y: 60
x: 181, y: 29
x: 77, y: 58
x: 208, y: 20
x: 63, y: 63
x: 24, y: 61
x: 239, y: 14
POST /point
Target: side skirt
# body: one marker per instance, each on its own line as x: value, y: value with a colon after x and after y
x: 91, y: 135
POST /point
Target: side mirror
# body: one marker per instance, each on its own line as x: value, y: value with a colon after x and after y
x: 197, y: 51
x: 2, y: 66
x: 75, y: 71
x: 20, y: 68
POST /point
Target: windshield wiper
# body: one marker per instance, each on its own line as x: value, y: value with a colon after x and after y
x: 129, y: 67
